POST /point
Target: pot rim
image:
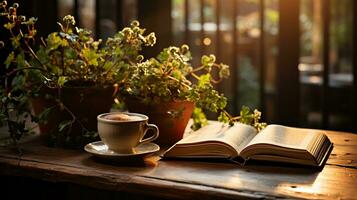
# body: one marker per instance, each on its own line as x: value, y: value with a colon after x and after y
x: 99, y: 86
x: 135, y: 98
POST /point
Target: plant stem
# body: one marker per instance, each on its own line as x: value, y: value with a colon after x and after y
x: 197, y: 69
x: 74, y: 119
x: 34, y: 55
x: 24, y: 68
x: 195, y: 76
x: 62, y: 59
x: 216, y: 81
x: 43, y: 42
x: 17, y: 70
x: 184, y: 84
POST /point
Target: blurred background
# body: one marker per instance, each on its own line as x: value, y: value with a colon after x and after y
x: 294, y: 60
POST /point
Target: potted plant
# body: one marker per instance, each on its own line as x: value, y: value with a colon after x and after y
x: 63, y: 81
x: 169, y: 89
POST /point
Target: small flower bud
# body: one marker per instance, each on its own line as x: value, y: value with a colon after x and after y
x: 172, y: 50
x: 69, y: 19
x: 185, y: 48
x: 140, y: 58
x: 213, y: 58
x: 15, y: 5
x: 4, y: 3
x: 151, y: 39
x: 11, y: 10
x: 135, y: 23
x: 136, y: 29
x: 224, y: 71
x: 127, y: 31
x: 22, y: 18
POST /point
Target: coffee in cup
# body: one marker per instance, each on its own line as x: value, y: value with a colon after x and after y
x: 122, y: 117
x: 122, y: 132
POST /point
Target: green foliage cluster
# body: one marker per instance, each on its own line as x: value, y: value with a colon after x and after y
x: 246, y: 116
x: 72, y: 56
x: 69, y: 57
x: 171, y: 77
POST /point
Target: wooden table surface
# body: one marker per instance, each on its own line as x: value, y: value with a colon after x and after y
x: 189, y: 179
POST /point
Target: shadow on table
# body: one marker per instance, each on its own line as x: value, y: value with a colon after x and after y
x: 127, y: 162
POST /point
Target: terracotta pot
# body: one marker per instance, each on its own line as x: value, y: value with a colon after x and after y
x: 170, y: 117
x: 84, y: 102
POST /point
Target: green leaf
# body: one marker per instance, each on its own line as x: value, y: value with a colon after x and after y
x: 20, y: 60
x: 10, y: 58
x: 31, y: 21
x: 53, y: 41
x: 223, y: 117
x: 245, y: 111
x: 42, y: 55
x: 9, y: 25
x: 90, y: 134
x: 3, y: 117
x: 15, y: 41
x: 199, y: 119
x: 62, y: 80
x: 224, y: 71
x: 108, y: 65
x: 43, y: 116
x: 204, y: 80
x: 252, y: 118
x: 17, y: 129
x: 208, y: 60
x: 64, y: 125
x: 91, y: 56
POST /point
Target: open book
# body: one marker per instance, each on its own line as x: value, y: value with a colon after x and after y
x: 242, y: 142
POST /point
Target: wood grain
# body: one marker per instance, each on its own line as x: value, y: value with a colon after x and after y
x: 188, y: 179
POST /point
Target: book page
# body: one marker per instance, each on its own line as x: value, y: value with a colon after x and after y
x: 236, y: 136
x: 288, y: 137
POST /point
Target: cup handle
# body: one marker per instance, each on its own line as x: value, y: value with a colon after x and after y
x: 154, y: 136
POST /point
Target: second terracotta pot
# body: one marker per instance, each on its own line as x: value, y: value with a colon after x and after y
x: 85, y: 103
x: 171, y: 118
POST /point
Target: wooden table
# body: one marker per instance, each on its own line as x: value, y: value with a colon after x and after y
x: 187, y: 179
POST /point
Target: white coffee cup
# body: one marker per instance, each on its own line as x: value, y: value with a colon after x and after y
x: 122, y: 132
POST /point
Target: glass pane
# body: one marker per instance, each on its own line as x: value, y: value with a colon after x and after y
x: 178, y: 21
x: 248, y: 48
x: 271, y: 32
x: 311, y: 67
x: 107, y: 18
x: 210, y: 27
x: 86, y: 12
x: 226, y: 48
x: 65, y: 7
x: 194, y: 28
x: 340, y: 77
x: 129, y: 11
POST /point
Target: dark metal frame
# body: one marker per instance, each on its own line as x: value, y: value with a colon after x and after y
x: 262, y: 57
x: 354, y: 62
x: 326, y: 63
x: 288, y: 98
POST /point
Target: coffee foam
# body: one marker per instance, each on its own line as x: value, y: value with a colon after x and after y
x: 122, y: 117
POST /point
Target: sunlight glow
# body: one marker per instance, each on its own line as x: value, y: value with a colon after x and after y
x: 207, y: 41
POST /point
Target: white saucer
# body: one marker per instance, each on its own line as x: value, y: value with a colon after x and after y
x: 99, y: 149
